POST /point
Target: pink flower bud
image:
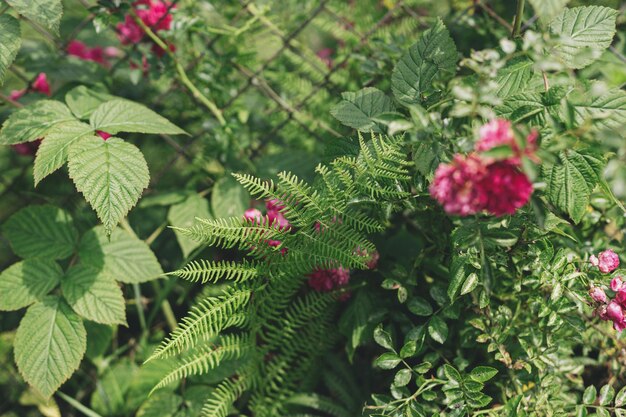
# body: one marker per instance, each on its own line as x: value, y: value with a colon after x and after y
x: 103, y: 135
x: 614, y: 312
x: 608, y: 261
x: 616, y: 284
x: 597, y: 294
x: 593, y: 260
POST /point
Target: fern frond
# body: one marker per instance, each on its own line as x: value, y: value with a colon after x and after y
x: 205, y: 320
x: 230, y: 232
x: 223, y: 396
x: 207, y: 271
x: 207, y: 358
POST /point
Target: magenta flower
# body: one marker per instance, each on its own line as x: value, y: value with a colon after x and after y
x: 456, y: 185
x: 497, y: 132
x: 608, y: 261
x: 616, y: 284
x: 597, y: 294
x: 41, y: 84
x: 154, y: 13
x: 506, y: 188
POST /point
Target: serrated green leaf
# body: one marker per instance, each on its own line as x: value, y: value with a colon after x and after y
x: 83, y: 102
x: 122, y: 256
x: 589, y: 396
x: 126, y: 116
x: 98, y: 339
x: 27, y: 281
x: 434, y: 54
x: 571, y: 182
x: 184, y: 215
x: 438, y: 329
x: 46, y: 13
x: 94, y: 295
x: 111, y: 175
x: 584, y: 33
x: 10, y: 42
x: 357, y: 110
x: 514, y: 77
x: 523, y: 107
x: 607, y: 111
x: 229, y: 198
x: 419, y: 306
x: 387, y: 360
x: 53, y: 150
x: 49, y: 344
x: 41, y: 231
x: 548, y: 9
x: 32, y: 122
x: 483, y: 373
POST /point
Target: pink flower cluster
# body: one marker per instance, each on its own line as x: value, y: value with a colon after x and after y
x: 96, y: 54
x: 606, y: 308
x: 606, y: 261
x: 475, y: 183
x: 274, y: 217
x: 611, y: 309
x: 154, y: 14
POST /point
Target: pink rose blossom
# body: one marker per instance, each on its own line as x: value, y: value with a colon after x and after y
x: 608, y: 261
x: 593, y: 260
x: 455, y: 185
x: 616, y: 283
x: 506, y: 188
x: 614, y: 312
x: 277, y: 219
x: 597, y: 294
x: 495, y: 133
x: 154, y: 13
x: 499, y: 132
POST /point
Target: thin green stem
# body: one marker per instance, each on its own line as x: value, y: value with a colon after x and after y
x: 182, y: 74
x: 519, y: 15
x: 140, y: 312
x: 77, y: 405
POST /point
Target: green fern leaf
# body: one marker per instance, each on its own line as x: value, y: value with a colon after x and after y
x: 207, y: 271
x: 204, y: 321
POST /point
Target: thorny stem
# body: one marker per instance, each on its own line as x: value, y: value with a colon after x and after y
x: 182, y: 74
x: 519, y: 14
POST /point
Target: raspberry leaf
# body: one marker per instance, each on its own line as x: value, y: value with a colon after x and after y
x: 49, y: 344
x: 111, y: 175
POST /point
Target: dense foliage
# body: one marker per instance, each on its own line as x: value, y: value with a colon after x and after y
x: 312, y: 208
